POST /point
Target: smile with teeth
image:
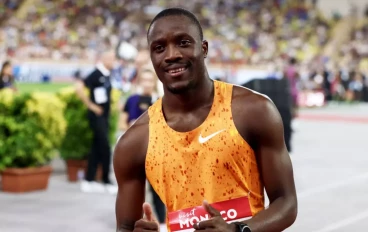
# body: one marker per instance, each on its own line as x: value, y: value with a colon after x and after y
x: 177, y: 70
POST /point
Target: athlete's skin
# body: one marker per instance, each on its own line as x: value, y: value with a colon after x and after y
x: 174, y: 41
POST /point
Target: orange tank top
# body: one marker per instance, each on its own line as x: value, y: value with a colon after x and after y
x: 212, y: 162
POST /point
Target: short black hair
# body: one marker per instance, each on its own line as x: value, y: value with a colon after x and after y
x: 176, y: 11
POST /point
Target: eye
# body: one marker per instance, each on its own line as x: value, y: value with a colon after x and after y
x: 184, y: 43
x: 159, y: 48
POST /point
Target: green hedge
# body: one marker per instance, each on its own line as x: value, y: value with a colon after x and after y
x: 34, y: 126
x: 78, y: 136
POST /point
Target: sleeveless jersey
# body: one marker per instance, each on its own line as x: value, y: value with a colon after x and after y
x: 212, y: 162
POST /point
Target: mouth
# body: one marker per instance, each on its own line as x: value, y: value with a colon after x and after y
x: 176, y: 71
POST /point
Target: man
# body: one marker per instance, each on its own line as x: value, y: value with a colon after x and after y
x: 208, y: 148
x: 98, y: 104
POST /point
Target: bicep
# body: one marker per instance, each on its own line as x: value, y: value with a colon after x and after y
x: 130, y: 175
x: 272, y: 155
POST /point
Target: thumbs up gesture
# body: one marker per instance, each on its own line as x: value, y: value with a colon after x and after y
x: 215, y: 223
x: 148, y: 222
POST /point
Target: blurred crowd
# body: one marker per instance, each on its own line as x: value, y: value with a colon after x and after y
x: 267, y: 33
x: 247, y: 32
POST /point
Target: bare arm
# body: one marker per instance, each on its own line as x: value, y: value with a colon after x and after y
x: 265, y: 130
x: 129, y: 166
x: 79, y: 88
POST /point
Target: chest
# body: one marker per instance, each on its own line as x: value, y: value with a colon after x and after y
x: 215, y: 144
x: 190, y: 121
x: 211, y: 157
x: 101, y: 88
x: 101, y: 81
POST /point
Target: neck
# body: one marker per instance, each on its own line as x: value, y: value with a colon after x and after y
x: 201, y: 95
x: 146, y: 93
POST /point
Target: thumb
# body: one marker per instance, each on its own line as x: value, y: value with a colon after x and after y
x: 209, y: 209
x: 147, y: 210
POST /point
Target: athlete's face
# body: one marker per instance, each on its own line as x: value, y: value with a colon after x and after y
x: 177, y: 53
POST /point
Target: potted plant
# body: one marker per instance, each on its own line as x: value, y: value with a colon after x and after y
x: 31, y: 129
x: 77, y: 141
x: 78, y: 137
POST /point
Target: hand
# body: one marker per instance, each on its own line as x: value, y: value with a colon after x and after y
x: 216, y: 223
x: 149, y: 222
x: 95, y: 109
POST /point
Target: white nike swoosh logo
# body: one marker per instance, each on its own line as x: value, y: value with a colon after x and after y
x: 205, y: 139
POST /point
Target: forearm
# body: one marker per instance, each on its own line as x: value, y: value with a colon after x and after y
x: 82, y: 95
x: 124, y: 224
x: 125, y: 227
x: 280, y: 215
x: 128, y: 208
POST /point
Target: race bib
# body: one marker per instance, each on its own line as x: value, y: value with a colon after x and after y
x: 231, y: 210
x: 100, y: 95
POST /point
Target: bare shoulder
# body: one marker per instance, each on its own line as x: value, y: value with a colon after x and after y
x: 131, y: 147
x: 249, y: 99
x: 253, y: 112
x: 135, y: 134
x: 251, y: 103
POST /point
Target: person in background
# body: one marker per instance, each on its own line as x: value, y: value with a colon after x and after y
x: 138, y: 103
x: 98, y: 103
x: 140, y: 63
x: 135, y: 106
x: 291, y: 73
x: 356, y: 86
x: 322, y: 78
x: 6, y: 76
x: 338, y: 90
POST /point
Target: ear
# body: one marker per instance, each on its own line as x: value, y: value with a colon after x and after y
x: 205, y: 48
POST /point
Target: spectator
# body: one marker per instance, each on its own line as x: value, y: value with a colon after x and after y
x: 138, y: 103
x: 6, y: 76
x: 338, y: 90
x: 99, y: 86
x: 356, y: 86
x: 291, y: 73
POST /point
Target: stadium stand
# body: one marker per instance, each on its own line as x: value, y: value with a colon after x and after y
x: 262, y: 33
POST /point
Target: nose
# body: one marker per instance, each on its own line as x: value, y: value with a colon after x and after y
x: 172, y: 54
